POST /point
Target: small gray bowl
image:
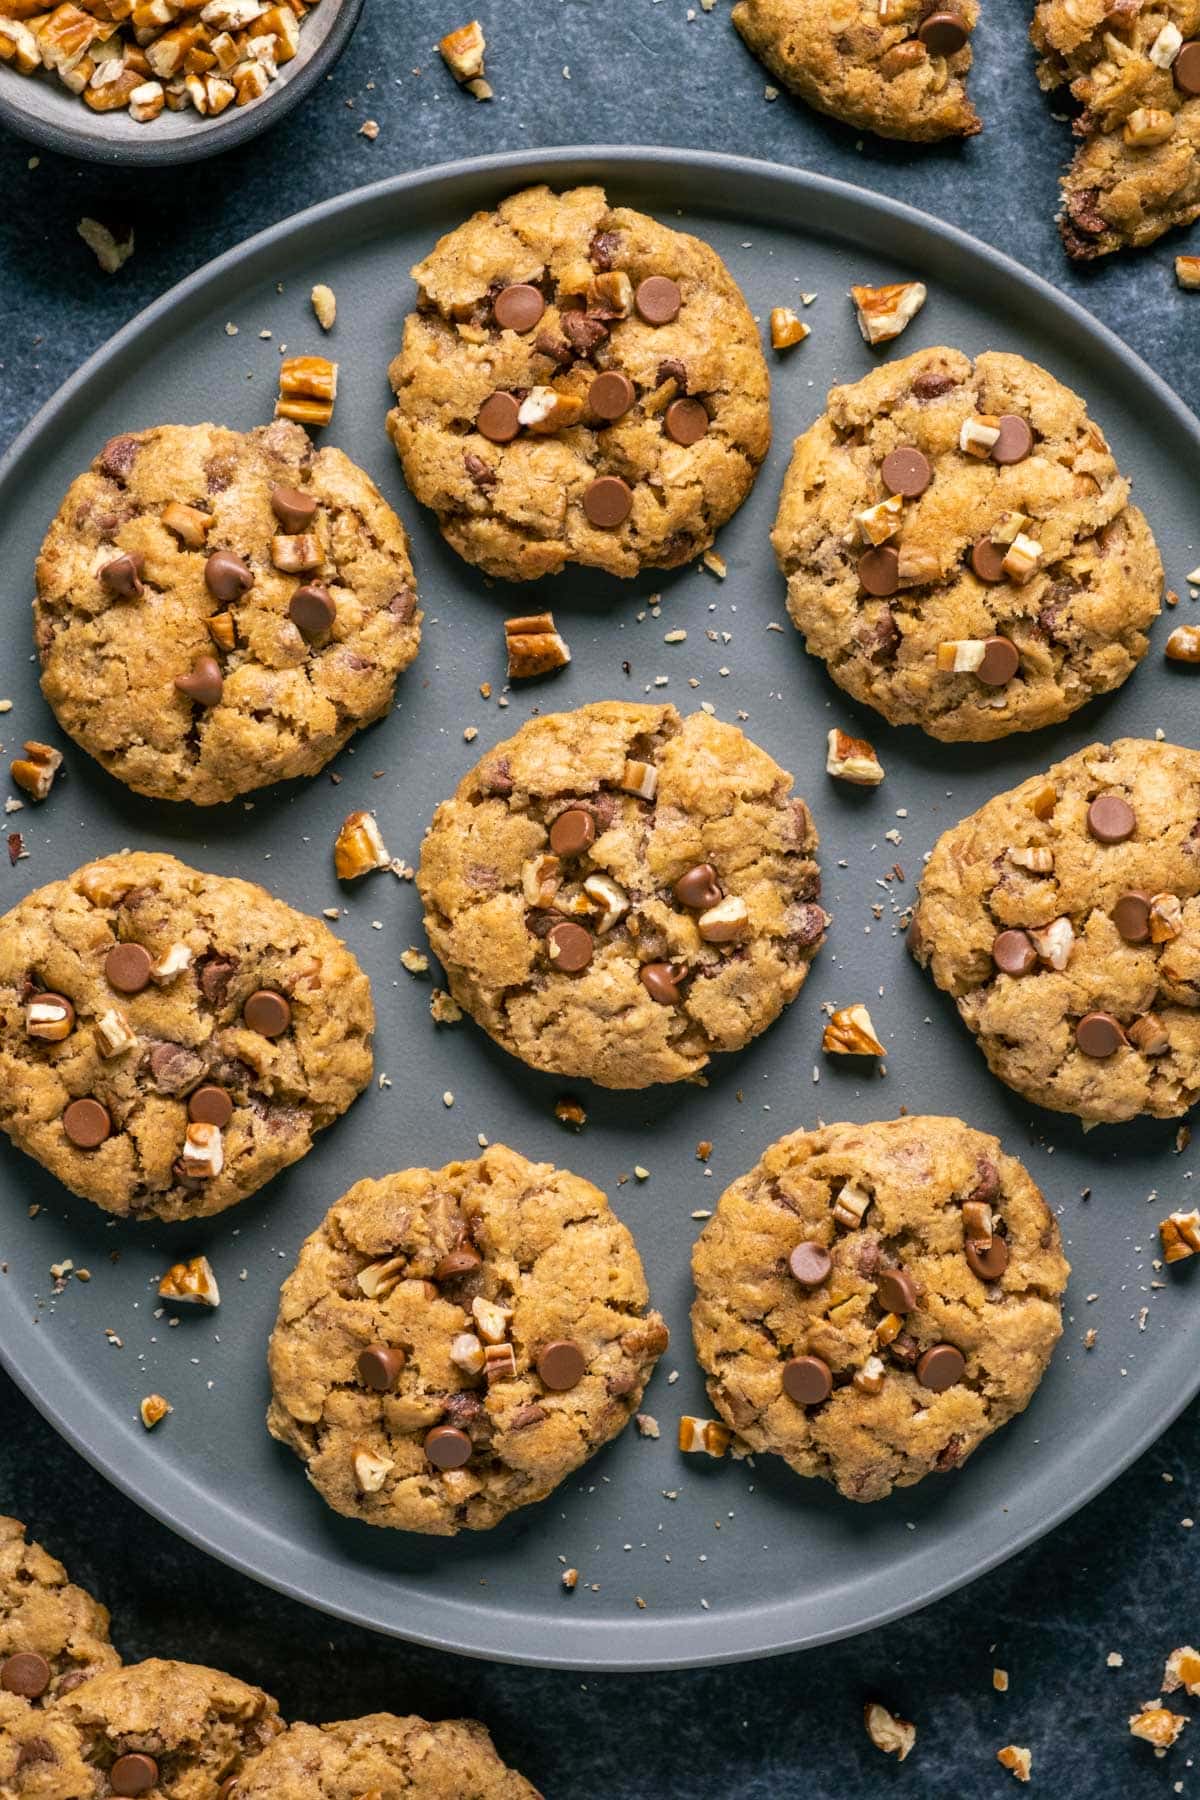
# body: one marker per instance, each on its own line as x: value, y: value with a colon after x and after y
x: 40, y: 108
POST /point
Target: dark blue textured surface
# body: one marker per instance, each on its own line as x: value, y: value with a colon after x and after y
x: 1121, y: 1576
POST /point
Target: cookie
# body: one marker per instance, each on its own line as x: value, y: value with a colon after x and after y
x: 959, y: 547
x: 873, y: 1301
x: 53, y: 1635
x: 165, y: 1730
x: 578, y: 384
x: 455, y: 1342
x: 900, y: 72
x: 169, y: 1040
x: 1135, y: 74
x: 217, y: 610
x: 616, y: 892
x: 385, y: 1757
x: 1064, y: 918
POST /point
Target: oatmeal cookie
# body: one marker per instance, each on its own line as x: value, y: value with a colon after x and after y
x: 385, y: 1757
x: 454, y: 1342
x: 959, y: 547
x: 901, y: 74
x: 53, y: 1635
x: 617, y: 892
x: 169, y: 1040
x: 578, y: 384
x: 1064, y: 918
x: 217, y: 610
x: 872, y: 1301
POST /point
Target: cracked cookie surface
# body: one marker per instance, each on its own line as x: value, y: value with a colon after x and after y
x: 903, y: 76
x: 53, y: 1635
x: 145, y: 1006
x: 906, y: 1338
x: 880, y: 615
x: 1134, y: 70
x: 165, y: 1730
x: 1064, y: 918
x: 454, y: 1342
x: 634, y: 359
x: 161, y: 567
x: 618, y: 893
x: 385, y: 1757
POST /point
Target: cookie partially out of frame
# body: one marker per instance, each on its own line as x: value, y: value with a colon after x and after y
x: 1064, y: 918
x: 960, y: 550
x: 873, y: 1301
x: 578, y: 384
x: 383, y: 1755
x: 53, y: 1635
x: 454, y: 1342
x: 898, y: 69
x: 217, y: 610
x: 170, y: 1039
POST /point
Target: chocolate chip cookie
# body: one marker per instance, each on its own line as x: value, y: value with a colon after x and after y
x: 617, y: 892
x: 872, y: 1301
x: 897, y: 69
x: 1064, y: 917
x: 217, y: 610
x: 1135, y: 73
x: 578, y: 384
x: 166, y: 1730
x: 454, y: 1342
x: 169, y: 1040
x: 384, y: 1756
x: 959, y: 547
x: 53, y: 1635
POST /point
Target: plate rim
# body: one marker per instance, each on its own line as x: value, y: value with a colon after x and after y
x: 609, y: 165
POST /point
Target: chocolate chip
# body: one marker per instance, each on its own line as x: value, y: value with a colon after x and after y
x: 1186, y: 67
x: 940, y: 1367
x: 267, y: 1012
x: 672, y: 369
x: 879, y: 571
x: 685, y: 421
x: 561, y: 1365
x: 118, y: 456
x: 226, y: 576
x: 661, y: 981
x: 481, y: 473
x: 943, y: 33
x: 1015, y: 440
x: 204, y: 683
x: 1013, y: 952
x: 807, y: 1380
x: 987, y: 1259
x: 569, y: 947
x: 136, y: 1773
x: 210, y: 1105
x: 295, y: 508
x: 658, y: 299
x: 1110, y: 819
x: 879, y: 637
x: 698, y: 888
x: 987, y: 560
x: 1001, y: 660
x: 1099, y: 1034
x: 403, y: 605
x: 497, y: 418
x: 518, y: 308
x: 26, y: 1674
x: 584, y: 331
x: 123, y: 575
x: 86, y: 1123
x: 214, y: 973
x: 611, y: 395
x: 312, y: 609
x: 896, y: 1289
x: 906, y: 471
x: 378, y: 1366
x: 810, y: 1264
x: 447, y: 1447
x: 932, y: 385
x: 174, y: 1067
x: 602, y: 250
x: 573, y: 832
x: 607, y: 502
x: 464, y: 1259
x: 127, y: 968
x: 1131, y: 916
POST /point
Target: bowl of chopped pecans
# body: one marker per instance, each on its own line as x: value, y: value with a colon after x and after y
x: 161, y: 81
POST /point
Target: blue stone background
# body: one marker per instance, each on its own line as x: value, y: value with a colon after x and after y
x: 1119, y: 1577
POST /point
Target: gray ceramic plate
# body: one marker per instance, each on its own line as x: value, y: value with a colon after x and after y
x: 41, y: 108
x: 730, y: 1561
